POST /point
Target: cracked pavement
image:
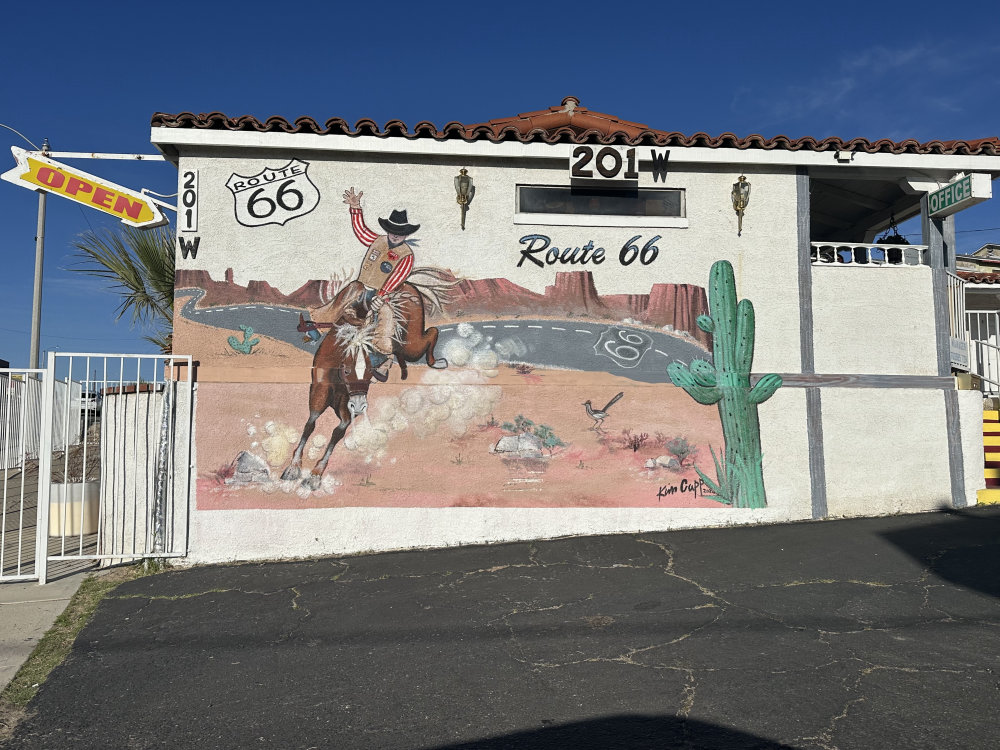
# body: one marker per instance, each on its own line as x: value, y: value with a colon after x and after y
x: 833, y: 635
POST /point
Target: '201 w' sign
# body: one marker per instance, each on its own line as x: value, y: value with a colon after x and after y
x: 614, y: 163
x: 274, y: 195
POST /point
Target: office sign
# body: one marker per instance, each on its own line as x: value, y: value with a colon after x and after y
x: 962, y: 193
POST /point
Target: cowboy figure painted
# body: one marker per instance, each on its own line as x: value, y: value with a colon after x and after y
x: 387, y: 262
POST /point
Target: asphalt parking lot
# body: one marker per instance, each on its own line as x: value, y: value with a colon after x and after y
x: 837, y: 634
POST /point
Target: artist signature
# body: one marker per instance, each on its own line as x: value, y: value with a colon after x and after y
x: 696, y: 488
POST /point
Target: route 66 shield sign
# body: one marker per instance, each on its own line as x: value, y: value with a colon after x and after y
x: 274, y: 196
x: 625, y: 346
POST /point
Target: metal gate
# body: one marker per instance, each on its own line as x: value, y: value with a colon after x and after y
x: 106, y: 438
x: 20, y: 435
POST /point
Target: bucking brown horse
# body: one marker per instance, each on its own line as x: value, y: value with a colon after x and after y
x: 342, y: 368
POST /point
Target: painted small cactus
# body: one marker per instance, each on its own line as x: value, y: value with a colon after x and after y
x: 247, y: 344
x: 739, y: 473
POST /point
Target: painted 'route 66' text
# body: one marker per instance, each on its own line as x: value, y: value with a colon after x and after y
x: 540, y: 251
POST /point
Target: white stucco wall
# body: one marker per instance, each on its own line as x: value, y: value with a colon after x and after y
x: 784, y: 444
x: 886, y: 451
x: 268, y: 534
x: 970, y: 405
x: 874, y: 320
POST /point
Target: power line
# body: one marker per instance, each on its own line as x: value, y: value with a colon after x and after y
x: 86, y: 218
x: 71, y: 338
x: 960, y: 231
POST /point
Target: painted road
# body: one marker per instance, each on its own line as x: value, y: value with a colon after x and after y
x: 274, y: 321
x: 637, y: 353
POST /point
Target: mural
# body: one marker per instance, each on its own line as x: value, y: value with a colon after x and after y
x: 500, y: 395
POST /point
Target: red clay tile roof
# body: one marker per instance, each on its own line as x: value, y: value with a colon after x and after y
x: 979, y: 277
x: 567, y: 123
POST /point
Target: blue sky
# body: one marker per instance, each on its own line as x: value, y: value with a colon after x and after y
x: 89, y: 76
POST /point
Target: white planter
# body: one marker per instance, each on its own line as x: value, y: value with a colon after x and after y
x: 78, y: 503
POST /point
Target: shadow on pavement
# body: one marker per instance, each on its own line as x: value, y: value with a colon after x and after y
x: 962, y: 547
x: 624, y: 733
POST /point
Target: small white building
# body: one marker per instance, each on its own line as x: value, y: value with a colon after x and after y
x: 564, y: 285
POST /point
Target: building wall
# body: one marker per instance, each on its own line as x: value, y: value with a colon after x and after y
x: 874, y: 320
x: 427, y: 463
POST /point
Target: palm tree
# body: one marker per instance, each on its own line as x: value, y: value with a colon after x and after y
x: 140, y: 265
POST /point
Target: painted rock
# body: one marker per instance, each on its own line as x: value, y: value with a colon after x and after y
x: 248, y: 468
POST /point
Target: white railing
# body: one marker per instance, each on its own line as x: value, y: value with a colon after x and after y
x: 984, y: 348
x: 123, y: 493
x: 21, y: 394
x: 96, y: 466
x: 957, y: 326
x: 20, y: 428
x: 863, y: 254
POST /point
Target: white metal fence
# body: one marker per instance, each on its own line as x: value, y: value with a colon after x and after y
x: 21, y: 394
x: 20, y: 432
x: 957, y: 323
x: 106, y: 439
x: 984, y: 348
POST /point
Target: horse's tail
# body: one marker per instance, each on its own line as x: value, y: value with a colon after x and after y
x: 436, y: 284
x: 329, y: 289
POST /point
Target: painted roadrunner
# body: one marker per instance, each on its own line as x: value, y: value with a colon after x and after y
x: 598, y: 415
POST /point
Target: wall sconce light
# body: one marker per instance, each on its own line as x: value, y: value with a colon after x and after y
x: 464, y: 190
x: 741, y: 197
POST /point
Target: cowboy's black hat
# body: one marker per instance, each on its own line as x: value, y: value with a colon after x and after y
x: 397, y: 223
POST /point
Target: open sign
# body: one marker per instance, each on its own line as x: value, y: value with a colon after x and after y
x: 37, y: 172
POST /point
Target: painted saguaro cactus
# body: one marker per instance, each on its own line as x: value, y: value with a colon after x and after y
x: 739, y: 476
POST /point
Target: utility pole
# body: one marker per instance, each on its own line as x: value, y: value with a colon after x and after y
x: 149, y: 213
x: 36, y: 304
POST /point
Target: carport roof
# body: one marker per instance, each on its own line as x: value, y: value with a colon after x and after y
x: 569, y: 123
